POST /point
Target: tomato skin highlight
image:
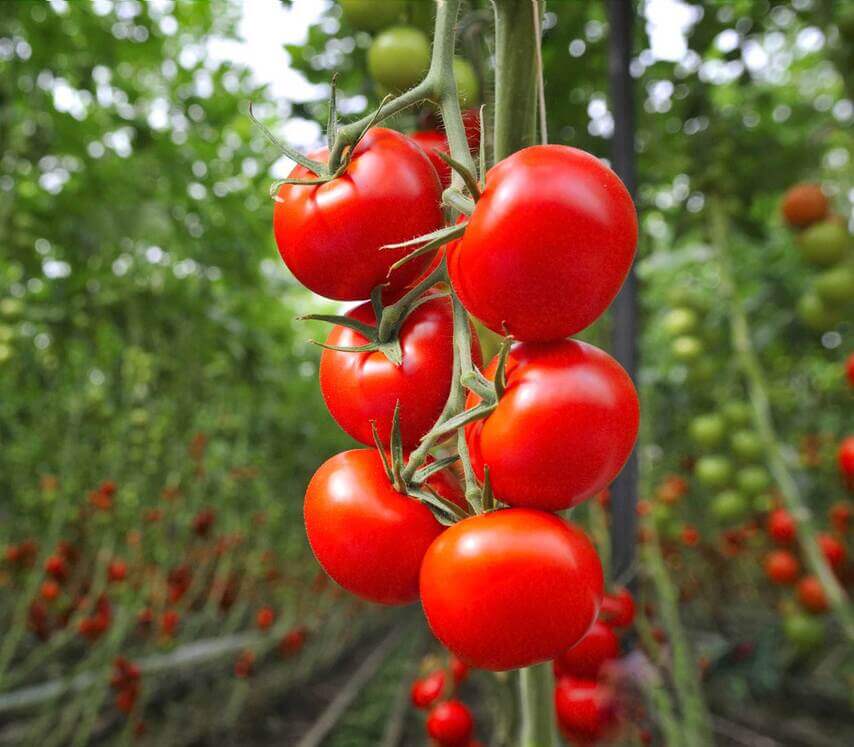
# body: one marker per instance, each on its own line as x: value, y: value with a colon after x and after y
x: 563, y: 428
x: 534, y: 576
x: 368, y: 537
x: 548, y: 245
x: 587, y: 657
x: 362, y: 386
x: 329, y: 235
x: 427, y: 690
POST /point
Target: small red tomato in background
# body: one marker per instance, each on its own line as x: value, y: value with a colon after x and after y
x: 690, y: 536
x: 471, y: 122
x: 840, y: 516
x: 833, y: 550
x: 459, y: 669
x: 845, y: 457
x: 804, y: 204
x: 849, y: 369
x: 563, y: 428
x: 587, y: 657
x: 265, y: 617
x: 368, y: 537
x: 49, y: 590
x: 586, y: 711
x: 117, y: 571
x: 782, y: 567
x: 292, y: 642
x: 359, y: 387
x: 430, y: 141
x: 548, y: 245
x: 811, y: 595
x: 618, y: 609
x: 329, y: 235
x: 427, y: 690
x: 56, y: 566
x: 781, y: 526
x: 450, y: 724
x: 535, y: 577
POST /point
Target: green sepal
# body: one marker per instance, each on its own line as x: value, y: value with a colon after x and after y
x: 446, y: 512
x: 463, y: 418
x: 314, y: 166
x: 500, y: 378
x: 424, y: 473
x: 449, y: 232
x: 487, y: 498
x: 332, y: 121
x: 469, y: 179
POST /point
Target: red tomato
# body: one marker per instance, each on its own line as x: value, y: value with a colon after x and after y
x: 450, y: 724
x: 781, y: 526
x: 364, y: 386
x: 330, y: 235
x: 535, y: 577
x: 368, y: 537
x: 618, y: 609
x: 845, y: 457
x: 690, y: 535
x: 589, y: 655
x: 840, y: 516
x: 471, y: 122
x: 849, y: 369
x: 804, y: 204
x: 429, y: 141
x: 811, y: 595
x: 459, y: 669
x: 563, y: 428
x: 586, y: 711
x: 833, y: 551
x: 427, y: 690
x: 548, y: 245
x: 782, y: 567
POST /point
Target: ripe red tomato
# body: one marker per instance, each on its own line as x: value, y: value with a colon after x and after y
x: 589, y: 655
x: 618, y: 609
x: 459, y: 669
x: 548, y: 245
x: 833, y: 551
x: 535, y: 577
x: 471, y: 122
x: 845, y: 457
x: 429, y: 141
x: 781, y: 526
x: 804, y: 204
x: 563, y: 428
x: 811, y: 595
x: 849, y: 369
x: 330, y: 235
x: 450, y: 724
x: 427, y: 690
x: 840, y: 516
x: 368, y: 537
x: 586, y: 711
x: 782, y: 567
x: 362, y: 386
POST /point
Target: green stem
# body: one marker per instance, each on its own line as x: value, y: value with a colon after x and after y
x: 536, y: 696
x: 751, y: 368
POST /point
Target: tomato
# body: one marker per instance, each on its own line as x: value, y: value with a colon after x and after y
x: 429, y: 141
x: 752, y: 480
x: 618, y: 609
x: 849, y: 369
x: 586, y: 711
x: 589, y: 655
x: 708, y: 430
x: 329, y: 235
x: 782, y: 567
x: 806, y: 633
x: 471, y: 122
x: 729, y: 507
x: 845, y: 458
x: 369, y: 15
x: 804, y: 204
x: 468, y: 86
x: 836, y: 285
x: 362, y: 386
x: 679, y: 321
x: 548, y: 245
x: 536, y: 578
x: 746, y: 445
x: 815, y: 314
x: 840, y: 516
x: 563, y: 427
x: 738, y: 413
x: 811, y: 595
x: 450, y: 724
x: 427, y: 690
x: 781, y: 526
x: 369, y: 538
x: 399, y: 57
x: 833, y: 551
x: 824, y: 243
x: 687, y: 348
x: 459, y: 669
x: 713, y: 470
x: 690, y: 536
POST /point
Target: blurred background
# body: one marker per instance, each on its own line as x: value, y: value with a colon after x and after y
x: 159, y: 408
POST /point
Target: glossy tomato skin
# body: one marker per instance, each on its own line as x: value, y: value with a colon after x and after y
x: 362, y: 386
x: 450, y: 724
x: 548, y: 245
x: 586, y: 711
x: 587, y: 657
x: 429, y: 141
x: 368, y: 537
x: 535, y: 577
x: 330, y: 235
x: 563, y: 429
x: 618, y: 609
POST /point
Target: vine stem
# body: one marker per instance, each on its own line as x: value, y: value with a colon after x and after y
x: 751, y: 369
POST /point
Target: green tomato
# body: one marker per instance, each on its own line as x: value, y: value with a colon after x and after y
x: 399, y: 58
x: 762, y: 504
x: 824, y: 243
x: 737, y: 413
x: 753, y: 480
x: 708, y: 430
x: 815, y: 314
x: 729, y: 507
x: 686, y: 348
x: 804, y: 632
x: 686, y: 295
x: 6, y: 333
x: 713, y: 470
x: 680, y: 321
x: 746, y: 445
x: 370, y: 15
x: 11, y: 306
x: 836, y: 285
x: 468, y: 87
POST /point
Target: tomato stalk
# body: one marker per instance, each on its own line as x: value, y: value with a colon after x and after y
x: 751, y: 369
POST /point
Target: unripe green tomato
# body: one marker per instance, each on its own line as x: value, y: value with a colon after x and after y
x: 753, y: 480
x: 729, y: 507
x: 737, y: 413
x: 713, y: 470
x: 763, y: 503
x: 685, y: 295
x: 703, y: 370
x: 371, y: 15
x: 468, y: 87
x: 708, y: 430
x: 836, y: 285
x: 6, y: 333
x: 804, y: 632
x: 11, y: 306
x: 686, y: 348
x: 815, y: 314
x: 746, y: 445
x: 664, y: 520
x: 679, y: 321
x: 824, y: 243
x: 399, y: 58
